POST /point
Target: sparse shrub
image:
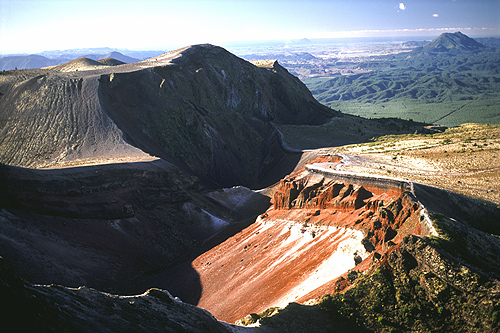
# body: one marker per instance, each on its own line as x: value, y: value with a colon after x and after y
x: 446, y: 141
x: 352, y: 276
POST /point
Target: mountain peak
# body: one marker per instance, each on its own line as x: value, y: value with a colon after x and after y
x: 454, y: 41
x: 80, y: 64
x: 109, y: 61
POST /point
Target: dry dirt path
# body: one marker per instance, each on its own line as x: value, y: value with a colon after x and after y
x: 465, y: 159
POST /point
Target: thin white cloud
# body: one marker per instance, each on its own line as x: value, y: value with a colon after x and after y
x: 405, y: 32
x: 402, y: 6
x: 435, y: 15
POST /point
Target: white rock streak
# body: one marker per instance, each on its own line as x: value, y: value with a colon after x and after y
x: 338, y: 263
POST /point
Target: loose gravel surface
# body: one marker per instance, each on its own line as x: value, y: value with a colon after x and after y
x: 464, y: 159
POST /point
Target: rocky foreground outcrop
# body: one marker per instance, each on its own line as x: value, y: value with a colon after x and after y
x: 53, y: 308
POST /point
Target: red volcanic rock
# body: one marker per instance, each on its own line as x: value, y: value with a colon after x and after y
x: 317, y: 230
x: 313, y: 191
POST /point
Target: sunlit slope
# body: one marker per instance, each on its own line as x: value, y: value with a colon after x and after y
x: 50, y: 120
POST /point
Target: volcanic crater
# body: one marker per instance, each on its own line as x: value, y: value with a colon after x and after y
x: 129, y: 177
x: 319, y: 228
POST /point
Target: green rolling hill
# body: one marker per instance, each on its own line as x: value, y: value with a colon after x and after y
x: 451, y: 80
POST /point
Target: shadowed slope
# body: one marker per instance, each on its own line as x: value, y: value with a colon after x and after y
x: 110, y: 62
x: 108, y: 226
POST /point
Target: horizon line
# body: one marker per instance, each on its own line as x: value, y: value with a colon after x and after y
x: 346, y: 35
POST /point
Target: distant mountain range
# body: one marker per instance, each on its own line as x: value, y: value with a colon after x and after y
x: 58, y: 57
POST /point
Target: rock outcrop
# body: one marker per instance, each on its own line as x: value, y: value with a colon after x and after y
x: 419, y: 288
x: 50, y: 308
x: 317, y: 231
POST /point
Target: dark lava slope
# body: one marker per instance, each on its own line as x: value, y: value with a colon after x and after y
x: 103, y: 226
x: 132, y: 151
x: 200, y: 107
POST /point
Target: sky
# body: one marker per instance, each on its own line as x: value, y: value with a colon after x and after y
x: 30, y: 26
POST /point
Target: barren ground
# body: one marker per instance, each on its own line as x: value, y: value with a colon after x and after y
x: 464, y: 159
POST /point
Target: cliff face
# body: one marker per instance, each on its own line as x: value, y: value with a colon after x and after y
x: 371, y: 243
x: 105, y: 226
x: 435, y: 254
x: 318, y: 230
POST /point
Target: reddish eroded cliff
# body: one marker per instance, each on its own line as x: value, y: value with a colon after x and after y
x: 317, y: 200
x: 317, y: 231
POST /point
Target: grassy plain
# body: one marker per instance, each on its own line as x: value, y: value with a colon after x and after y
x: 443, y: 88
x: 464, y: 159
x: 451, y: 113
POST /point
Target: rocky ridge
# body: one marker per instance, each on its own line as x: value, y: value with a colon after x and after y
x: 46, y: 308
x: 200, y: 107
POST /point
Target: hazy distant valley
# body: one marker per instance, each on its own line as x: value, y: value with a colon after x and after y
x: 405, y: 79
x: 137, y: 189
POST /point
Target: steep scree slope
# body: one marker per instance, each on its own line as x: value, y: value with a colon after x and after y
x: 199, y: 107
